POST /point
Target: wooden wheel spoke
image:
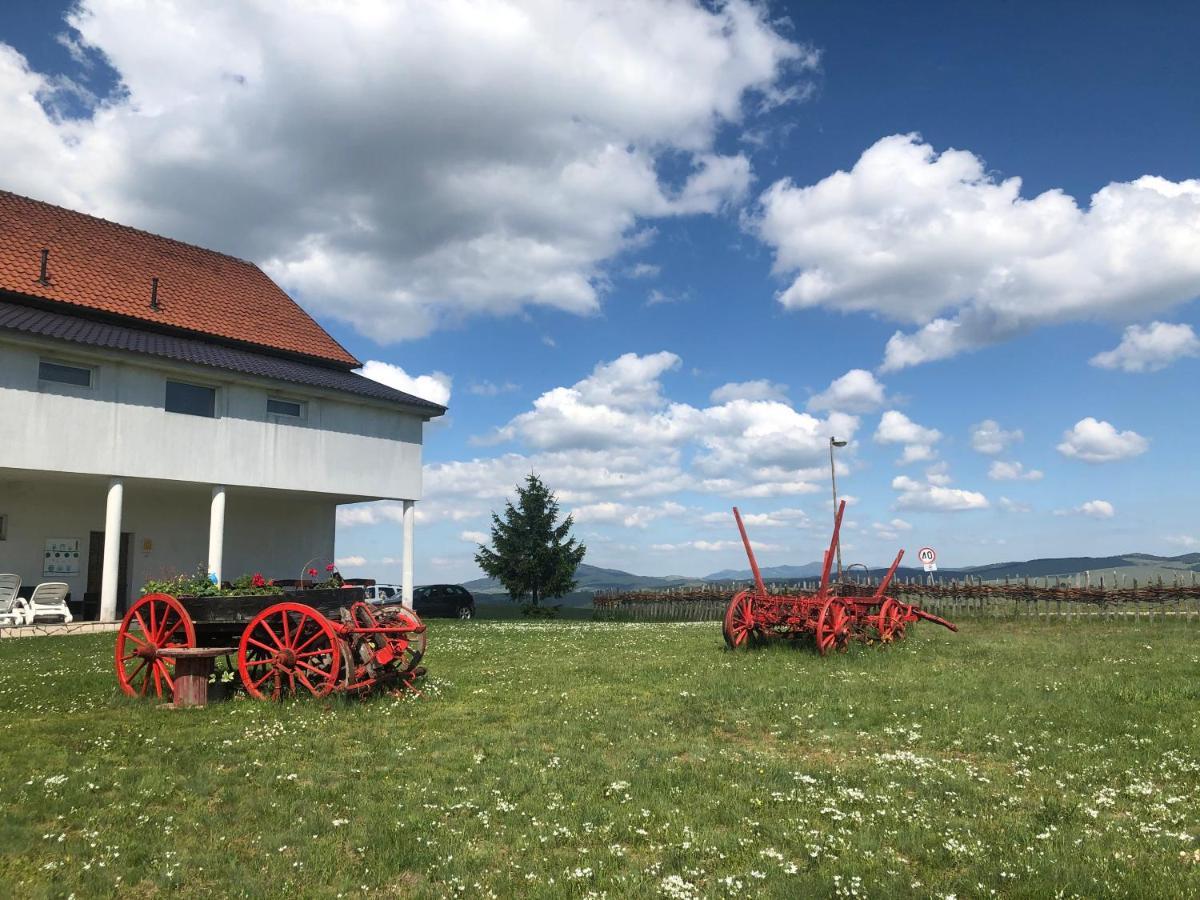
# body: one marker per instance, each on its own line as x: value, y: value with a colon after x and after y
x: 268, y: 674
x: 287, y: 639
x: 312, y: 653
x: 261, y: 645
x: 308, y: 684
x: 129, y: 676
x: 322, y: 672
x: 168, y: 632
x: 278, y: 644
x: 129, y: 636
x: 259, y: 662
x: 314, y: 636
x: 146, y: 631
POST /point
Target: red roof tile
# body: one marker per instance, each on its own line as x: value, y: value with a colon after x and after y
x: 99, y: 265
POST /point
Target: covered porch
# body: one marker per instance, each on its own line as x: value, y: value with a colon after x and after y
x: 106, y: 536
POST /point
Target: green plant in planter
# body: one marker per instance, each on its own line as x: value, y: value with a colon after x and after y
x: 198, y: 584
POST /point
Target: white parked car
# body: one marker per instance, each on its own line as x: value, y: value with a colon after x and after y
x: 379, y: 594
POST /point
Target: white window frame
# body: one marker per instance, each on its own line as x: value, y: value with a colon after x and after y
x: 190, y: 383
x: 273, y: 416
x: 50, y: 385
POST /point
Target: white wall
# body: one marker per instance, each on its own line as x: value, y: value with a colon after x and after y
x: 269, y: 532
x: 119, y: 427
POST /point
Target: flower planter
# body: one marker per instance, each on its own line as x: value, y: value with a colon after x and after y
x: 228, y: 615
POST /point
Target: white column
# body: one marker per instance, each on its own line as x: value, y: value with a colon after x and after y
x: 112, y: 550
x: 216, y: 532
x: 406, y: 576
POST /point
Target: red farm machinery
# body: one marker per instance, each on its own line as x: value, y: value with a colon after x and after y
x: 832, y: 615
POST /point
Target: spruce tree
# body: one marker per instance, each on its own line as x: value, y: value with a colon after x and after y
x: 533, y: 557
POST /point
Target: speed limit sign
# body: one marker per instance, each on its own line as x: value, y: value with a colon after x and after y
x: 928, y: 558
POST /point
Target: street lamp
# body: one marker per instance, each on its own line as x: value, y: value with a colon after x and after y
x: 834, y: 442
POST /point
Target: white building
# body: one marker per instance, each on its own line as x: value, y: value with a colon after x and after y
x: 164, y: 407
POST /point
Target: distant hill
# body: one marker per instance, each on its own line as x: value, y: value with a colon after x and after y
x: 1143, y: 567
x: 593, y: 578
x: 769, y: 573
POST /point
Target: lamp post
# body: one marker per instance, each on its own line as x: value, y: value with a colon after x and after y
x: 834, y: 442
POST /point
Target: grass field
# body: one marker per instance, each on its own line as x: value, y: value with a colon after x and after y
x: 578, y: 759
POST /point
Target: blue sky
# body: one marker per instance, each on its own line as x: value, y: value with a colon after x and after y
x: 581, y: 224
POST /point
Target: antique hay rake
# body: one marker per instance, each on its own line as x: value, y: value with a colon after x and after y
x: 833, y: 615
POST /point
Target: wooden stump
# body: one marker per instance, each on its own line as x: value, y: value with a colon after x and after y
x: 193, y: 666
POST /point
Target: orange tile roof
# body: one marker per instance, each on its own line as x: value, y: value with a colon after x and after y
x: 99, y: 265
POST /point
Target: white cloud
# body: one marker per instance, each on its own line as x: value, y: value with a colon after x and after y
x: 475, y: 537
x: 754, y: 448
x: 713, y: 546
x: 1013, y: 506
x: 1012, y: 471
x: 787, y: 517
x: 613, y: 447
x: 857, y: 391
x: 937, y: 241
x: 487, y: 388
x: 434, y: 387
x: 658, y: 298
x: 1148, y: 348
x: 350, y: 562
x: 760, y: 389
x: 1096, y: 509
x: 897, y: 428
x: 404, y: 165
x: 988, y: 437
x: 643, y: 270
x: 890, y: 531
x: 938, y: 473
x: 630, y: 516
x: 1185, y: 541
x: 1099, y: 442
x: 935, y: 497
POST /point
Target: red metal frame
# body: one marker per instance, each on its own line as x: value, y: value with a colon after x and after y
x: 833, y: 615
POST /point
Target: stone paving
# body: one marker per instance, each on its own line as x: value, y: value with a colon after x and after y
x: 52, y: 630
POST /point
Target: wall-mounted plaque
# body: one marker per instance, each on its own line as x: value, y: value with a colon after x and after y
x: 61, y: 557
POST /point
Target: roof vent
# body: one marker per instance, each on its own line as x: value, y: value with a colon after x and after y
x: 154, y: 304
x: 43, y: 276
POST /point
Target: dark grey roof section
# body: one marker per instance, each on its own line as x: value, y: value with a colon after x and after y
x: 78, y: 330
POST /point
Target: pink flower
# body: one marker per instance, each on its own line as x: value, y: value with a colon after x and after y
x: 258, y: 581
x: 312, y: 572
x: 329, y: 568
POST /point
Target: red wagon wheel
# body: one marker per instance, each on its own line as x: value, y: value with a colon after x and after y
x: 833, y: 627
x: 739, y: 628
x: 287, y: 648
x: 410, y: 647
x: 891, y: 621
x: 161, y: 623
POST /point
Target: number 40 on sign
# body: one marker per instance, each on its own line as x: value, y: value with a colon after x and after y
x: 928, y: 558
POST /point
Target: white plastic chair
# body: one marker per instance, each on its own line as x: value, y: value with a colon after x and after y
x: 49, y: 600
x: 13, y: 609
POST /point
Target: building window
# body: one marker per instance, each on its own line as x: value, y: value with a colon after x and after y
x: 290, y: 409
x: 191, y: 399
x: 61, y: 373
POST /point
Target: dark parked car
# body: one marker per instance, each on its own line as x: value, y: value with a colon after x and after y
x: 434, y: 600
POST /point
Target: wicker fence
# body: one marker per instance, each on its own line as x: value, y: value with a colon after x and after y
x: 1042, y: 598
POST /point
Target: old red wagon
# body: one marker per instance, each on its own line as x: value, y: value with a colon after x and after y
x: 316, y: 641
